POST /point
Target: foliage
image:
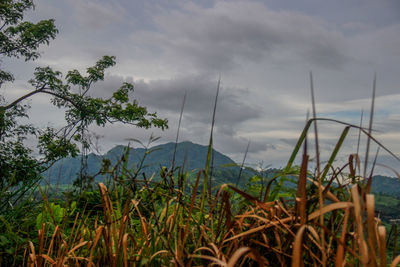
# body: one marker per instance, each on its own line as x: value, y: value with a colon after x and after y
x: 159, y: 226
x: 225, y: 169
x: 53, y: 214
x: 163, y: 224
x: 136, y: 221
x: 21, y: 166
x: 19, y: 38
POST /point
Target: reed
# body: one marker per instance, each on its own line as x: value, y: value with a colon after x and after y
x: 330, y: 220
x: 141, y: 229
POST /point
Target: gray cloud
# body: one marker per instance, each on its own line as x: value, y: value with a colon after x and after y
x: 223, y: 36
x: 263, y: 50
x: 237, y: 145
x: 165, y: 97
x: 232, y: 106
x: 97, y: 14
x: 289, y: 141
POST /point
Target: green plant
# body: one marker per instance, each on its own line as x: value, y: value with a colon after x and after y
x: 54, y: 214
x: 20, y: 168
x: 317, y: 222
x: 22, y: 39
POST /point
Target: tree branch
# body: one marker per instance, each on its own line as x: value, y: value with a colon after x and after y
x: 24, y: 97
x: 62, y: 97
x: 40, y: 90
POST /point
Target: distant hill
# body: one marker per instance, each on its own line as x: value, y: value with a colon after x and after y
x: 386, y: 185
x: 66, y: 170
x: 387, y: 197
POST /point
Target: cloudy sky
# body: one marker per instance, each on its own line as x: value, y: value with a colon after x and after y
x: 263, y: 51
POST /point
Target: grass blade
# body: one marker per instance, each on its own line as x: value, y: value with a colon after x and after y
x: 359, y: 131
x: 315, y: 123
x: 242, y: 166
x: 335, y: 151
x: 371, y: 117
x: 301, y: 191
x: 209, y: 152
x: 297, y: 258
x: 177, y: 132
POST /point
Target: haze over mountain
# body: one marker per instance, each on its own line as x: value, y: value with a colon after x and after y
x: 193, y: 155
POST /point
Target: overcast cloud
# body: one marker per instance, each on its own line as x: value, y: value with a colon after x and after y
x: 263, y: 51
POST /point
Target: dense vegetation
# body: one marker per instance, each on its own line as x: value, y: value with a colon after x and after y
x: 326, y: 217
x: 149, y: 160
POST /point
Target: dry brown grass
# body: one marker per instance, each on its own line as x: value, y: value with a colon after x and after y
x: 329, y: 221
x: 265, y: 233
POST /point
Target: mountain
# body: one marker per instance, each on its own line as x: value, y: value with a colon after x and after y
x: 66, y: 170
x: 386, y: 185
x: 387, y: 197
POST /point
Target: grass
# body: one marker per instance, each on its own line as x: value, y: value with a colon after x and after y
x: 165, y: 225
x: 328, y: 220
x: 386, y: 200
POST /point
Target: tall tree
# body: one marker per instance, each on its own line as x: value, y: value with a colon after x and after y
x: 19, y: 169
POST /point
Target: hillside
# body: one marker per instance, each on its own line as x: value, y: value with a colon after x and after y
x: 386, y: 185
x: 66, y: 170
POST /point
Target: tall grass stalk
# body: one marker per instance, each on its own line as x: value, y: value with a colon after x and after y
x: 371, y: 117
x: 328, y: 220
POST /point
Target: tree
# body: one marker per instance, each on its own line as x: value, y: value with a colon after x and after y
x: 19, y: 169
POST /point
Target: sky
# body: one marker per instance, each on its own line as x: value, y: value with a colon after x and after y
x: 262, y: 50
